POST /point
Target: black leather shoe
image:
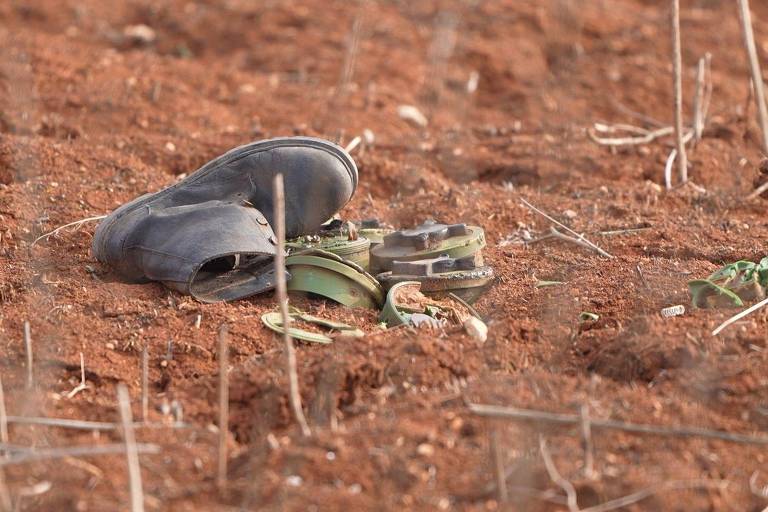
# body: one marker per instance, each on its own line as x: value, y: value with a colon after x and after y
x: 207, y: 235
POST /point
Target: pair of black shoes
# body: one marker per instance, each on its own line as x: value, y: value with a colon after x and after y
x: 210, y: 235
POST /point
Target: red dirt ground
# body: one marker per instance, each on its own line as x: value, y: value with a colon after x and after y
x: 90, y: 118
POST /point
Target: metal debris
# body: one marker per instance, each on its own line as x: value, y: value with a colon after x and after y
x: 274, y: 321
x: 405, y: 300
x: 327, y: 274
x: 673, y: 311
x: 441, y: 275
x: 429, y: 240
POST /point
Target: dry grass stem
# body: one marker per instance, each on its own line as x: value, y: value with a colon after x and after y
x: 3, y: 415
x: 223, y: 355
x: 498, y: 465
x: 497, y: 411
x: 644, y: 137
x: 80, y: 387
x: 758, y: 191
x: 144, y: 384
x: 698, y: 98
x: 353, y: 144
x: 580, y: 242
x: 282, y: 297
x: 682, y: 157
x: 6, y: 503
x: 739, y: 316
x: 587, y: 443
x: 28, y: 348
x: 556, y: 222
x: 77, y: 224
x: 131, y: 452
x: 668, y: 169
x: 557, y: 478
x: 754, y: 65
x: 629, y: 499
x: 38, y: 455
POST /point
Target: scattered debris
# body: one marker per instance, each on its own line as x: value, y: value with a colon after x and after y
x: 328, y: 275
x: 545, y: 284
x: 442, y: 275
x: 673, y: 311
x: 405, y: 300
x: 274, y: 321
x: 428, y: 241
x: 339, y: 241
x: 586, y: 316
x: 140, y: 33
x: 476, y: 328
x: 412, y: 114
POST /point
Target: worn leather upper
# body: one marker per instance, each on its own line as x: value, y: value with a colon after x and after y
x: 188, y: 234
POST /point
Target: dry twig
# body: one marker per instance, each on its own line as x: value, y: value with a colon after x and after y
x: 588, y: 445
x: 144, y: 384
x: 580, y: 242
x: 282, y: 297
x: 754, y: 65
x: 497, y: 411
x: 77, y: 224
x: 739, y: 316
x: 223, y: 355
x: 577, y: 235
x: 644, y: 137
x: 498, y: 464
x: 668, y: 169
x: 557, y: 478
x: 758, y: 191
x: 3, y: 416
x: 6, y: 503
x: 80, y: 387
x: 702, y: 96
x: 28, y: 348
x: 75, y: 451
x: 131, y: 453
x: 682, y: 158
x: 629, y: 499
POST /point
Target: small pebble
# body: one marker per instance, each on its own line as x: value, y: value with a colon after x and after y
x: 476, y: 328
x: 294, y: 480
x: 425, y: 449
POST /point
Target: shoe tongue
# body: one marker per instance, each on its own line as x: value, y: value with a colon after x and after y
x: 214, y: 251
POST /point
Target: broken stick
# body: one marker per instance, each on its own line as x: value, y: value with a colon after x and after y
x: 577, y: 235
x: 682, y: 159
x: 497, y: 411
x: 223, y: 356
x: 754, y: 66
x: 28, y: 348
x: 282, y: 297
x: 131, y: 452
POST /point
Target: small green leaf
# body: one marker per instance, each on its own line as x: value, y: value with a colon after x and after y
x: 586, y: 316
x: 702, y: 288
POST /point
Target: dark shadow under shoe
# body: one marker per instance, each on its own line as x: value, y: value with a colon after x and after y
x: 206, y: 235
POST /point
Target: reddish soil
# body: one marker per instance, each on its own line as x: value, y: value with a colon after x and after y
x: 90, y: 118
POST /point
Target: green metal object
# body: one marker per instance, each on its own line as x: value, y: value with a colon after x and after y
x: 274, y: 321
x: 396, y: 312
x: 393, y: 314
x: 327, y: 274
x: 427, y: 241
x: 356, y: 251
x: 374, y: 230
x: 443, y: 275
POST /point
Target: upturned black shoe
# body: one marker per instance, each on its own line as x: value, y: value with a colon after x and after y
x: 209, y: 235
